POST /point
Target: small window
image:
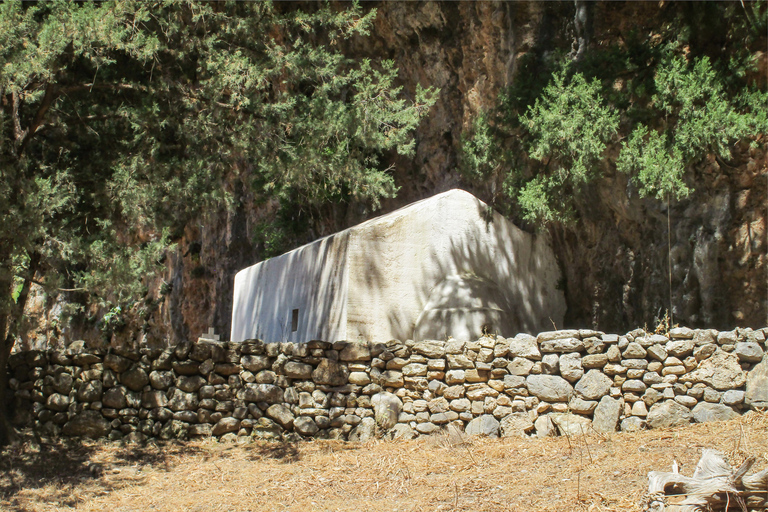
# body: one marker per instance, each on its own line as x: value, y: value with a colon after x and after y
x: 295, y: 320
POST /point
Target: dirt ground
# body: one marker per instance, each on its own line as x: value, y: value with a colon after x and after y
x: 589, y: 473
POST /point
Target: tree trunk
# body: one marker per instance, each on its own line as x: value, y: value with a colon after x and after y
x: 10, y: 325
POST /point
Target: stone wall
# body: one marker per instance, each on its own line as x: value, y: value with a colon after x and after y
x: 560, y: 382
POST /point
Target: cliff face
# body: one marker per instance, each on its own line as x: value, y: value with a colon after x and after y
x: 614, y: 259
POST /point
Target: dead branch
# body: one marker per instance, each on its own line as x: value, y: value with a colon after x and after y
x: 714, y: 486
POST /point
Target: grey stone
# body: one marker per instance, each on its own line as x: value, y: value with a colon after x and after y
x: 186, y: 368
x: 705, y: 412
x: 431, y: 349
x: 633, y: 424
x: 330, y: 373
x: 520, y: 366
x: 305, y: 426
x: 594, y: 361
x: 363, y: 432
x: 524, y: 345
x: 561, y: 345
x: 634, y: 351
x: 460, y: 405
x: 517, y: 424
x: 281, y: 414
x: 657, y: 352
x: 681, y: 333
x: 757, y: 386
x: 513, y: 382
x: 544, y: 426
x: 581, y: 406
x: 153, y: 399
x: 268, y: 393
x: 639, y: 409
x: 549, y: 388
x: 386, y: 409
x: 225, y: 425
x: 668, y: 414
x: 181, y: 401
x: 557, y: 335
x: 571, y: 424
x: 614, y: 354
x: 255, y: 363
x: 722, y: 371
x: 485, y: 425
x: 296, y: 370
x: 57, y: 402
x: 680, y: 348
x: 190, y: 383
x: 174, y: 429
x: 415, y: 370
x: 115, y: 398
x: 733, y: 397
x: 355, y: 352
x: 455, y: 377
x: 593, y: 385
x: 686, y: 400
x: 712, y: 396
x: 570, y: 367
x: 88, y: 423
x: 359, y: 378
x: 634, y: 386
x: 727, y: 337
x: 704, y: 351
x: 116, y: 363
x: 62, y: 383
x: 200, y: 430
x: 459, y: 361
x: 161, y: 379
x: 441, y: 418
x: 402, y: 431
x: 266, y: 429
x: 427, y: 428
x: 550, y: 364
x: 391, y: 379
x: 90, y: 391
x: 749, y: 352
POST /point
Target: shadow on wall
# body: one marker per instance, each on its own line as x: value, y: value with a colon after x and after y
x: 294, y: 297
x: 494, y: 279
x: 445, y: 266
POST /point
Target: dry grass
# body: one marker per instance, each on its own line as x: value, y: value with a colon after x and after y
x: 590, y: 473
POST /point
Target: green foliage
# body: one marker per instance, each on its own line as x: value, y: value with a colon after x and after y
x: 652, y: 105
x: 122, y: 122
x: 569, y: 126
x: 698, y: 118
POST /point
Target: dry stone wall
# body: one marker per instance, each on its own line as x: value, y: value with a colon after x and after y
x: 560, y: 382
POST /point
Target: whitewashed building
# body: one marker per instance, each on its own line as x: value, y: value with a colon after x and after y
x: 444, y: 266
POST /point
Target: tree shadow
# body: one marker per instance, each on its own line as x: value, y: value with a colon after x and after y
x: 277, y: 450
x: 51, y: 470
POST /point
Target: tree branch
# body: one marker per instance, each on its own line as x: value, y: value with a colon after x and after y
x: 45, y: 105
